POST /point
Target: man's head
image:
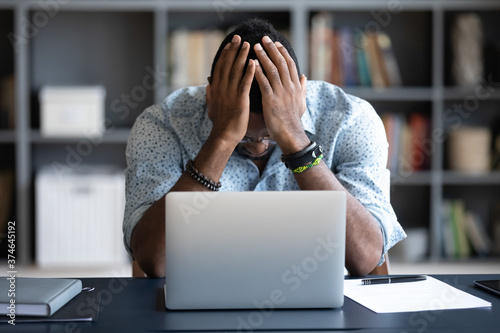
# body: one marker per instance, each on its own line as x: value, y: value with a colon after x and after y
x: 252, y: 31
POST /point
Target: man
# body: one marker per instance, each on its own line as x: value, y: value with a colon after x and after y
x: 255, y: 109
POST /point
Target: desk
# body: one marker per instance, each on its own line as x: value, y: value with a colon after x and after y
x: 136, y: 305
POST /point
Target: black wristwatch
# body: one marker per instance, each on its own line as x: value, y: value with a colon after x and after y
x: 305, y: 159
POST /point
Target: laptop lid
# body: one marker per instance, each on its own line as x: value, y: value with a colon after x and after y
x: 244, y: 250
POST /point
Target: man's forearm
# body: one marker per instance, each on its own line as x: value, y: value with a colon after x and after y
x: 148, y: 237
x: 364, y: 241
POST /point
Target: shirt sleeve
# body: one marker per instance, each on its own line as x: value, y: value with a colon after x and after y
x: 361, y: 167
x: 154, y: 165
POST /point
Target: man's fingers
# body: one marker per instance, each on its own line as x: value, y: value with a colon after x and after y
x: 292, y: 68
x: 229, y: 58
x: 220, y: 64
x: 303, y: 84
x: 272, y: 72
x: 264, y: 85
x: 237, y: 69
x: 277, y: 59
x: 246, y: 82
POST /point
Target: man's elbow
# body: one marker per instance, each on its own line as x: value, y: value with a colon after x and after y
x: 152, y: 266
x: 364, y: 266
x: 154, y: 271
x: 148, y: 256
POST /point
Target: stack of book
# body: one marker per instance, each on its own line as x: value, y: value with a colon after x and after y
x: 351, y: 57
x: 410, y: 145
x: 191, y: 53
x: 47, y: 300
x: 463, y: 231
x: 6, y: 199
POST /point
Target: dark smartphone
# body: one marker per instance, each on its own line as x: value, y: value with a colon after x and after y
x: 490, y: 285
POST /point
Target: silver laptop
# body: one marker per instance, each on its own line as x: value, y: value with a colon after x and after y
x: 247, y: 250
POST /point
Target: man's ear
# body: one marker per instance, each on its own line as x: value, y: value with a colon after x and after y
x: 209, y: 79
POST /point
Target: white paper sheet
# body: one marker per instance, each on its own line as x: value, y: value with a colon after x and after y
x: 428, y: 295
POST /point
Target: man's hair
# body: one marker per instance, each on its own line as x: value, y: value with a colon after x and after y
x: 252, y: 31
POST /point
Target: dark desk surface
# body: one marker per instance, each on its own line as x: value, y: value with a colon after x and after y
x: 136, y: 305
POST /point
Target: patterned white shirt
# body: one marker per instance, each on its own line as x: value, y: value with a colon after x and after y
x: 165, y: 136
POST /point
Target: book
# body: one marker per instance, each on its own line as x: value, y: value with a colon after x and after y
x: 420, y: 131
x: 404, y: 150
x: 321, y: 46
x: 476, y: 233
x: 39, y: 297
x: 447, y: 233
x: 363, y: 69
x: 389, y: 59
x: 196, y: 58
x: 462, y: 247
x: 84, y: 307
x: 467, y: 49
x: 190, y: 55
x: 179, y: 65
x: 349, y: 57
x: 336, y: 70
x: 375, y: 61
x: 6, y: 199
x: 212, y: 41
x: 409, y: 141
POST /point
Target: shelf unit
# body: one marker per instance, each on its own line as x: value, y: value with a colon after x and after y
x: 118, y: 42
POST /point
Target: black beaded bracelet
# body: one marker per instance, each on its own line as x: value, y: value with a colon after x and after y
x: 200, y: 178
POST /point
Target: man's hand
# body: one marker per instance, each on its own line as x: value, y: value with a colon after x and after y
x: 228, y: 98
x: 283, y: 96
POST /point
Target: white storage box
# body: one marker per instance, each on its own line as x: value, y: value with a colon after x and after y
x: 79, y: 217
x: 72, y: 111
